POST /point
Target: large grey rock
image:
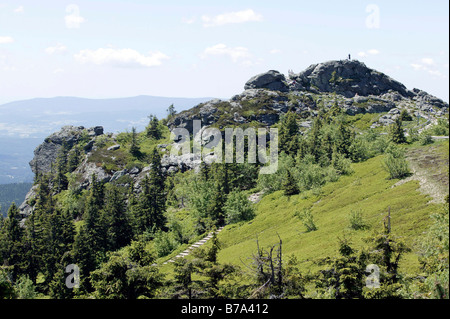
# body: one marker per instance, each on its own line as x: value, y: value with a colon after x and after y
x: 427, y: 101
x: 205, y: 112
x: 272, y: 80
x: 349, y: 78
x: 118, y: 175
x: 171, y: 163
x: 87, y: 169
x: 45, y: 154
x: 25, y: 209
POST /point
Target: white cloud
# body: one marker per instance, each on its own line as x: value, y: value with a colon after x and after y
x: 364, y: 54
x: 6, y: 40
x: 231, y: 17
x: 4, y: 64
x: 417, y: 66
x: 188, y: 20
x: 429, y: 66
x: 73, y: 19
x: 19, y: 9
x: 236, y: 54
x: 57, y: 49
x: 120, y: 57
x: 428, y: 61
x: 58, y: 70
x: 275, y: 51
x: 435, y: 72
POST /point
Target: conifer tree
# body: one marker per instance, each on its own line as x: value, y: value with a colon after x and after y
x: 49, y: 234
x: 344, y: 279
x: 152, y: 200
x: 153, y: 129
x: 327, y: 144
x: 206, y: 264
x: 396, y: 133
x: 183, y: 277
x: 90, y: 242
x: 60, y: 179
x: 344, y: 139
x: 204, y: 170
x: 11, y: 241
x: 219, y: 196
x: 132, y: 210
x: 73, y: 159
x: 31, y: 250
x: 288, y: 134
x: 118, y: 228
x: 386, y: 251
x: 56, y: 240
x: 314, y: 145
x: 134, y: 147
x: 171, y: 111
x: 290, y: 186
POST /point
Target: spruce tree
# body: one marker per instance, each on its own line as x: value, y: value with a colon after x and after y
x: 60, y: 179
x: 183, y: 277
x: 288, y: 134
x: 344, y: 279
x: 327, y: 145
x: 31, y: 249
x: 153, y: 129
x: 57, y: 239
x: 314, y: 142
x: 386, y: 251
x: 11, y: 241
x: 118, y: 228
x: 171, y: 112
x: 49, y: 235
x: 290, y: 186
x: 152, y: 200
x: 134, y: 146
x: 90, y: 242
x: 133, y: 209
x: 219, y: 196
x: 396, y: 133
x: 344, y: 139
x: 74, y: 158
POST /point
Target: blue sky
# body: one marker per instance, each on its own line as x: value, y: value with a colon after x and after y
x: 106, y: 49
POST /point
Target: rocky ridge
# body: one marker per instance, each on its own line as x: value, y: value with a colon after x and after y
x: 349, y: 84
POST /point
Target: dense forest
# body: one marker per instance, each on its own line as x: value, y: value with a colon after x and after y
x: 118, y: 234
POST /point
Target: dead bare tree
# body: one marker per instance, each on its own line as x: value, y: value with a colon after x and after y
x: 269, y: 271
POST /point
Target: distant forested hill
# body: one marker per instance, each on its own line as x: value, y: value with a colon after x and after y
x: 12, y: 193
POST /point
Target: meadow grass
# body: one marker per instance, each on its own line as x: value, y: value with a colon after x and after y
x: 368, y: 189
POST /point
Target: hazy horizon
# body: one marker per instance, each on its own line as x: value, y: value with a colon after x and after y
x: 112, y: 49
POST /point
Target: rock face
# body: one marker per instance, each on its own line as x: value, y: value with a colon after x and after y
x: 347, y: 77
x: 349, y: 83
x: 272, y: 80
x: 46, y: 153
x: 205, y: 112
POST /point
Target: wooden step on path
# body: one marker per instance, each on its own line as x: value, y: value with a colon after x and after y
x: 200, y: 243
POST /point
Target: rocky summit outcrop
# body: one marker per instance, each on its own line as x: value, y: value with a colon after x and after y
x: 346, y: 77
x: 45, y: 154
x: 348, y: 83
x: 272, y: 80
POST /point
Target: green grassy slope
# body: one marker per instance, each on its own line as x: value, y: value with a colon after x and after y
x: 367, y: 189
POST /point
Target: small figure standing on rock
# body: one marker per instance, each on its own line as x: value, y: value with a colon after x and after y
x: 349, y: 57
